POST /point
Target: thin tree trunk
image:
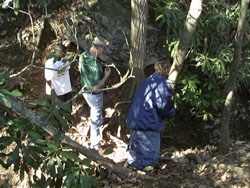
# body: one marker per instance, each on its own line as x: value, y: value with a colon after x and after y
x: 138, y: 40
x: 139, y: 16
x: 189, y: 28
x: 226, y: 112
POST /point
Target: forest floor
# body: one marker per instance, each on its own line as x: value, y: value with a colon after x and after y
x: 185, y: 160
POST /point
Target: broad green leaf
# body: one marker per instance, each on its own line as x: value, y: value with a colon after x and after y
x: 54, y: 122
x: 5, y: 100
x: 38, y: 141
x: 34, y: 134
x: 62, y: 121
x: 16, y: 158
x: 52, y: 146
x: 51, y: 152
x: 43, y: 102
x: 66, y: 114
x: 205, y: 117
x: 16, y: 93
x: 35, y: 156
x: 51, y: 167
x: 57, y: 139
x: 64, y: 148
x: 28, y: 159
x: 210, y: 116
x: 67, y: 107
x: 53, y: 96
x: 70, y: 180
x: 6, y: 141
x: 69, y: 155
x: 215, y: 105
x: 16, y: 5
x: 59, y: 167
x: 84, y: 180
x: 87, y: 162
x: 48, y: 183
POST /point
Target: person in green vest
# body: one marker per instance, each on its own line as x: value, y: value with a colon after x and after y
x: 93, y: 77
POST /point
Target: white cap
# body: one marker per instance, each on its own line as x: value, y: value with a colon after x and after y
x: 98, y: 42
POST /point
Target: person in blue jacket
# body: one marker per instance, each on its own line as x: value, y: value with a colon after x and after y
x: 151, y: 106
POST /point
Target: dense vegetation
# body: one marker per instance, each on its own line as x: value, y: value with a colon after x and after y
x: 207, y: 65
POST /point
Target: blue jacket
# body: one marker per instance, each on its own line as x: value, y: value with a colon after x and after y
x: 151, y: 105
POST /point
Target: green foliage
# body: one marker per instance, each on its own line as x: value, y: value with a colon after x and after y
x: 4, y: 93
x: 27, y: 147
x: 244, y: 77
x: 59, y: 112
x: 16, y: 6
x: 207, y: 65
x: 171, y: 17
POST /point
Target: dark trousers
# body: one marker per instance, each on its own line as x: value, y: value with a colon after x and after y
x: 65, y: 97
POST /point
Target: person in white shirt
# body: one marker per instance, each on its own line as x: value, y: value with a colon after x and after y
x: 57, y: 75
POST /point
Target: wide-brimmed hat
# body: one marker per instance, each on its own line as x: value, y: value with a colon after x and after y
x: 98, y: 42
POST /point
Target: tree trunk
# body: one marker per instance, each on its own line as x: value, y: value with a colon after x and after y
x: 136, y: 63
x: 189, y: 28
x: 226, y: 112
x: 138, y: 41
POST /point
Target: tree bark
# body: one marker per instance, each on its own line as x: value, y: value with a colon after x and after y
x: 136, y: 63
x: 92, y: 154
x: 226, y: 112
x: 189, y: 28
x: 138, y: 41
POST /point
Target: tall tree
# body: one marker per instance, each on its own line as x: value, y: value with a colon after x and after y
x: 226, y: 113
x: 193, y: 15
x: 139, y: 17
x: 138, y: 40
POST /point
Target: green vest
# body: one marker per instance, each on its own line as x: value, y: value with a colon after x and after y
x: 91, y: 71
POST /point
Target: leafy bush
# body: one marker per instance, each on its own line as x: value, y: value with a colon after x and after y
x: 206, y: 68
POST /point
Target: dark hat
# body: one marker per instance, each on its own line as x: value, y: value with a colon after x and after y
x: 98, y: 42
x: 58, y: 48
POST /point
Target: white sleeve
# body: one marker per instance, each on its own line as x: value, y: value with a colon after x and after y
x: 49, y: 74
